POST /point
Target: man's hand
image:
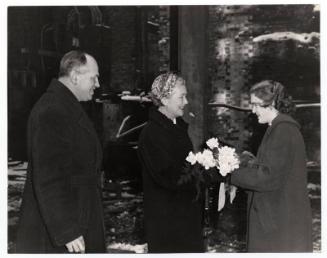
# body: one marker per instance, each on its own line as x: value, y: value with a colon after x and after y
x: 76, y: 246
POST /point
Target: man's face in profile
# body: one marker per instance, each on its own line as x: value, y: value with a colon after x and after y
x: 88, y: 79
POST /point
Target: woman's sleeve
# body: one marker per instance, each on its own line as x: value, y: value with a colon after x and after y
x: 269, y: 174
x: 161, y: 165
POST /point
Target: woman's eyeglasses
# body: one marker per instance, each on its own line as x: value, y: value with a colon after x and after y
x: 252, y: 105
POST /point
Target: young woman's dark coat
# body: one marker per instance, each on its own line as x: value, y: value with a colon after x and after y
x: 173, y: 218
x: 279, y: 213
x: 62, y: 196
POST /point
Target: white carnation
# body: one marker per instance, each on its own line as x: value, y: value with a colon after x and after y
x: 227, y: 160
x: 206, y: 159
x: 199, y: 157
x: 212, y: 143
x: 191, y: 158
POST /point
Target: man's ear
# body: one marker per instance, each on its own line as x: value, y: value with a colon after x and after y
x: 74, y: 77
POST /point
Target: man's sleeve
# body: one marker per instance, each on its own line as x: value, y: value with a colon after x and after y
x: 52, y: 167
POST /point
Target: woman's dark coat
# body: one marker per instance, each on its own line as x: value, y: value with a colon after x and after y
x: 173, y: 219
x: 62, y: 195
x: 279, y: 213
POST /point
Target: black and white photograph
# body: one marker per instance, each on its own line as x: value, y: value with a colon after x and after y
x: 162, y: 128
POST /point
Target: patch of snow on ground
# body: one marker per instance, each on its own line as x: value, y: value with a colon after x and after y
x: 315, y: 220
x: 13, y: 205
x: 13, y: 172
x: 18, y: 164
x: 127, y: 195
x: 313, y: 187
x: 314, y: 197
x: 128, y: 247
x: 11, y: 183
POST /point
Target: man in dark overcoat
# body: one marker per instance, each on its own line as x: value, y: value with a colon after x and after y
x: 61, y: 208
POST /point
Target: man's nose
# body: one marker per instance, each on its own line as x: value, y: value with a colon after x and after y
x: 97, y: 84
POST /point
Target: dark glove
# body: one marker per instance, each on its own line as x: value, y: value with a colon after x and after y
x: 227, y: 178
x: 212, y: 176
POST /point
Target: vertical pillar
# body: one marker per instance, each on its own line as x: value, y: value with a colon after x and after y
x: 231, y: 51
x: 194, y: 68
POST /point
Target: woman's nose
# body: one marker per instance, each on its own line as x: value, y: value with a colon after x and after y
x: 185, y: 101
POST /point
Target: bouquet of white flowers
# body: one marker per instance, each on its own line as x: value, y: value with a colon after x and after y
x: 223, y: 158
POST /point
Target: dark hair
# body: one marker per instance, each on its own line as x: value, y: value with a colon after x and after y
x: 273, y: 93
x: 70, y: 60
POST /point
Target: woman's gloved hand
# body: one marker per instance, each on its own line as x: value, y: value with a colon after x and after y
x: 212, y: 176
x: 245, y: 158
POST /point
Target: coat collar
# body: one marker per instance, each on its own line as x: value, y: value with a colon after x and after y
x: 281, y: 118
x: 160, y: 119
x: 72, y: 105
x: 66, y: 97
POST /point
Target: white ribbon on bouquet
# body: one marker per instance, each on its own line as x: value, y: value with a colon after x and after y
x: 222, y: 195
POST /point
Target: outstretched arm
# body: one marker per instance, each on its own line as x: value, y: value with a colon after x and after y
x: 268, y: 174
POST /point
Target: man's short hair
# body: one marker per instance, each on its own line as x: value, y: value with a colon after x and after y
x: 71, y: 60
